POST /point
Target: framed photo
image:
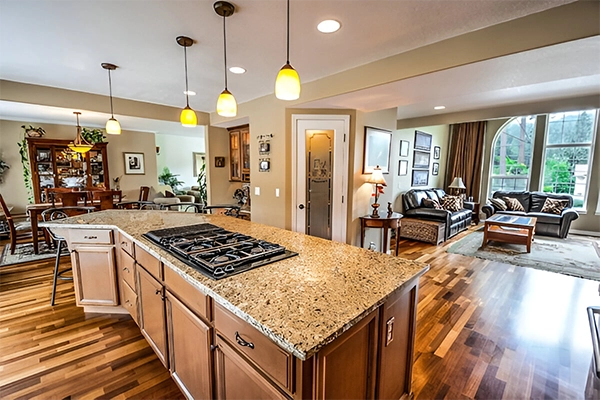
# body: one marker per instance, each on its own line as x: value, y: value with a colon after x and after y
x: 134, y: 163
x: 264, y: 165
x: 264, y: 146
x: 198, y: 160
x: 436, y: 152
x: 219, y: 162
x: 420, y: 177
x: 421, y: 159
x: 402, y: 167
x: 404, y: 146
x: 435, y: 169
x: 377, y: 150
x: 422, y: 141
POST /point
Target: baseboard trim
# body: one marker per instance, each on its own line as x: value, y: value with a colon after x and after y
x: 586, y: 233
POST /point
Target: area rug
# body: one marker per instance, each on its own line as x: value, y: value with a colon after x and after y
x: 576, y: 256
x: 24, y: 253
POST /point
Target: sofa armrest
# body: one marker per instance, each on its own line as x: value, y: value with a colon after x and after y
x: 567, y: 216
x: 488, y: 210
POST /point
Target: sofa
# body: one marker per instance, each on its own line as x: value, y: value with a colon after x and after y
x: 414, y: 207
x: 547, y: 224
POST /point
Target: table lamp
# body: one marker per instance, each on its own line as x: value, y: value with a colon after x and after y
x: 377, y: 179
x: 458, y: 185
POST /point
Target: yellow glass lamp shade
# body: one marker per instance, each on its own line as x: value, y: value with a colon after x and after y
x: 287, y: 84
x: 188, y: 117
x: 80, y: 148
x: 113, y: 127
x: 226, y: 104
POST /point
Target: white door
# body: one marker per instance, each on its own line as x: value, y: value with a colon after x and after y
x: 320, y: 175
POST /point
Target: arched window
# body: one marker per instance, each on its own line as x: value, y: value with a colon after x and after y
x: 511, y: 156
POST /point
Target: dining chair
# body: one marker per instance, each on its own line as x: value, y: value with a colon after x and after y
x: 53, y: 214
x: 70, y: 199
x: 137, y: 205
x: 50, y: 193
x: 107, y: 198
x: 144, y: 190
x: 19, y: 232
x: 229, y: 210
x: 183, y: 206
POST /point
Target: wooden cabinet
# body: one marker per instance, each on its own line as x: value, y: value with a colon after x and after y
x: 127, y: 284
x: 54, y: 165
x: 239, y: 154
x: 152, y: 313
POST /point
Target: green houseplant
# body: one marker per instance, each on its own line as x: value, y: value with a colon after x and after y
x: 168, y: 178
x: 93, y: 135
x: 30, y: 131
x: 203, y: 195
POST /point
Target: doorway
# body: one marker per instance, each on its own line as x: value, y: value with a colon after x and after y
x: 320, y: 175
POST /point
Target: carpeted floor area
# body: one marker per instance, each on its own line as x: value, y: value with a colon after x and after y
x: 576, y: 256
x: 24, y: 253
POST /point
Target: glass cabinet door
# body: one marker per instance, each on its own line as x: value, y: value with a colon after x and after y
x: 234, y: 156
x: 96, y: 171
x: 45, y: 170
x: 70, y: 168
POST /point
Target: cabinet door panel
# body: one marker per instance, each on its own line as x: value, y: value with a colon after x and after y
x: 189, y: 350
x: 95, y: 277
x: 152, y: 313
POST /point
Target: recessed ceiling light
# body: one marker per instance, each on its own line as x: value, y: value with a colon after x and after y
x: 328, y: 26
x: 189, y: 92
x: 237, y: 70
x: 439, y: 107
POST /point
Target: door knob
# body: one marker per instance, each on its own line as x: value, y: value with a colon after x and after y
x: 301, y: 206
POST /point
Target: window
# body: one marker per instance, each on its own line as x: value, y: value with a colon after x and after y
x: 512, y: 153
x: 567, y: 158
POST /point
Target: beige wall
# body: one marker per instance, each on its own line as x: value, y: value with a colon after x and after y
x: 13, y: 189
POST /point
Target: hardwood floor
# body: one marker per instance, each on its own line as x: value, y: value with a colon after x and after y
x: 485, y: 330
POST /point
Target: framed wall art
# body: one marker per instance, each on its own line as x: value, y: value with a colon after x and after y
x: 436, y: 152
x: 420, y: 177
x: 219, y: 162
x: 404, y: 147
x: 377, y: 150
x: 402, y: 167
x: 436, y: 168
x: 134, y: 163
x: 422, y: 141
x: 421, y: 159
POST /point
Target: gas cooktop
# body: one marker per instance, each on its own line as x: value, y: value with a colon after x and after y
x: 215, y: 252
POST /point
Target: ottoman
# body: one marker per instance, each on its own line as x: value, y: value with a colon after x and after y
x: 422, y: 230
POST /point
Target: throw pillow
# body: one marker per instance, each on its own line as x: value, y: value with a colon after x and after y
x: 513, y: 204
x: 169, y: 194
x: 498, y: 204
x: 554, y: 206
x: 452, y: 203
x: 430, y: 203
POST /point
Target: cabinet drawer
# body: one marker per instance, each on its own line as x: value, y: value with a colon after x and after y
x: 126, y: 244
x: 267, y: 355
x: 148, y: 261
x: 189, y: 295
x: 91, y: 236
x: 127, y: 269
x: 129, y: 300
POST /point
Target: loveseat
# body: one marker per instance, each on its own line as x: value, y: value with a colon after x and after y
x: 548, y: 224
x: 414, y: 207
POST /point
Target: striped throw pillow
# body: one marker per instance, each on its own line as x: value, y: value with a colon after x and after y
x: 513, y: 204
x: 452, y: 203
x: 554, y: 206
x: 498, y: 204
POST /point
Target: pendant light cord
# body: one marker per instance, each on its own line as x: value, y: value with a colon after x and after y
x: 110, y: 91
x: 187, y: 98
x: 288, y: 31
x: 225, y: 50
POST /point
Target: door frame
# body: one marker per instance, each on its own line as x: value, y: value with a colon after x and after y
x: 339, y: 218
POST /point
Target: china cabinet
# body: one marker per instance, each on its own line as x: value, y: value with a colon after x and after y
x: 239, y: 154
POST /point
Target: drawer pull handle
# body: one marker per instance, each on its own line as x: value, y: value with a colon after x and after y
x: 242, y: 342
x: 90, y: 237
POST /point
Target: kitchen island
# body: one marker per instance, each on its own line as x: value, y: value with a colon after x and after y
x: 333, y: 321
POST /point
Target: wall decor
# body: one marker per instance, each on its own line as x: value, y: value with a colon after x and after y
x: 264, y: 146
x: 420, y: 177
x: 264, y: 165
x: 377, y: 150
x: 134, y: 163
x: 198, y: 160
x: 404, y: 147
x: 422, y: 141
x: 436, y: 152
x: 435, y: 169
x: 219, y: 162
x: 402, y: 167
x: 421, y: 159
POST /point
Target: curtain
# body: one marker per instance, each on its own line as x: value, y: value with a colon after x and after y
x: 466, y: 156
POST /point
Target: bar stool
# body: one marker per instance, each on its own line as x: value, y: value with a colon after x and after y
x: 52, y: 214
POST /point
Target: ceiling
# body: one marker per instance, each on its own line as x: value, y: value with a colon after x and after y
x: 66, y: 51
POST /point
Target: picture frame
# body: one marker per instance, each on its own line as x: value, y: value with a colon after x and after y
x: 404, y: 148
x: 420, y: 177
x: 402, y: 167
x: 198, y: 159
x: 423, y: 141
x: 437, y: 152
x: 219, y: 162
x: 377, y: 148
x: 264, y: 165
x: 134, y: 163
x: 435, y: 169
x: 421, y: 159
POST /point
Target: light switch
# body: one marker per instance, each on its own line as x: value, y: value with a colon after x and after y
x: 276, y: 192
x: 257, y: 191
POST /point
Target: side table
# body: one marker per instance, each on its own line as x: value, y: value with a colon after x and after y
x: 476, y: 211
x: 385, y: 222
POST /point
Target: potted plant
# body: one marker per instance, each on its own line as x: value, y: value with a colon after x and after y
x: 168, y: 178
x: 30, y: 131
x: 93, y: 136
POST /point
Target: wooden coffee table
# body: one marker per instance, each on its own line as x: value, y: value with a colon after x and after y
x: 509, y: 229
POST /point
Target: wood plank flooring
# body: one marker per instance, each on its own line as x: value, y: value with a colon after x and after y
x: 484, y: 331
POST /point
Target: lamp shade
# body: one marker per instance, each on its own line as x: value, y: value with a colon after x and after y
x: 113, y: 127
x: 287, y: 84
x: 377, y: 177
x: 80, y: 148
x: 226, y: 104
x: 457, y: 183
x: 188, y: 117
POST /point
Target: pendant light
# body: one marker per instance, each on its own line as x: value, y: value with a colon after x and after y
x: 112, y: 125
x: 79, y: 145
x: 226, y: 104
x: 287, y: 84
x: 188, y: 116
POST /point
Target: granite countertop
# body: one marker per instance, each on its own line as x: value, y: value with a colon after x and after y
x: 301, y: 303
